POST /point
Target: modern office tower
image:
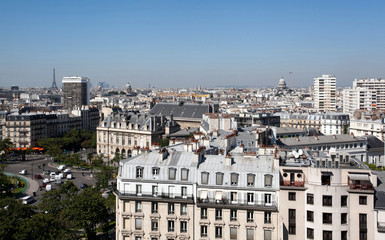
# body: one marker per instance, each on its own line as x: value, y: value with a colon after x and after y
x: 76, y: 92
x: 376, y: 84
x: 179, y: 194
x: 325, y: 93
x: 359, y: 99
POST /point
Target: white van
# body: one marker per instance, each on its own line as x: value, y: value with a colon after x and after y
x: 23, y: 172
x: 61, y: 167
x: 27, y: 200
x: 69, y: 176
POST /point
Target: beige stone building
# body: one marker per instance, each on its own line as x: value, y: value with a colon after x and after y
x: 179, y: 194
x: 331, y: 202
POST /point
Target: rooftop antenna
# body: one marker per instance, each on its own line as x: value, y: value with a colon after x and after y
x: 54, y: 86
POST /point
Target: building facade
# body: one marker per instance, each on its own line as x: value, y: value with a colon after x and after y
x: 76, y: 92
x: 325, y: 93
x: 376, y: 84
x: 359, y: 99
x: 179, y: 194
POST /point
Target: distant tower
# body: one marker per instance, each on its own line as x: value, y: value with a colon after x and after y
x: 54, y: 86
x: 76, y: 92
x: 128, y: 88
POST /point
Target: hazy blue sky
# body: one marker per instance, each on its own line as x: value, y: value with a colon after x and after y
x: 187, y: 43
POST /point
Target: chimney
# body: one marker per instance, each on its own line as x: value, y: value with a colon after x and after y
x: 228, y: 160
x: 298, y: 138
x: 316, y: 136
x: 334, y: 136
x: 352, y: 134
x: 163, y: 153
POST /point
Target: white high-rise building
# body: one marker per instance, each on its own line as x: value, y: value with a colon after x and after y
x: 325, y: 93
x: 376, y: 84
x: 359, y: 99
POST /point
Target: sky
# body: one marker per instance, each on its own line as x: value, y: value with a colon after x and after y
x: 188, y: 43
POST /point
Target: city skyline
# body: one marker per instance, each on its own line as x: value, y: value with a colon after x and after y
x: 185, y: 44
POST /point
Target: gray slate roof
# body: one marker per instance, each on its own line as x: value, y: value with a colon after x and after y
x: 186, y: 110
x: 327, y: 139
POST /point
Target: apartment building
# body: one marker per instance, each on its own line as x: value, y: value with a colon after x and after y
x: 359, y: 99
x: 25, y: 129
x: 128, y: 133
x: 325, y: 93
x: 300, y: 120
x: 363, y: 127
x: 335, y: 123
x: 329, y: 200
x: 257, y: 119
x: 215, y: 121
x: 174, y: 193
x: 76, y: 92
x: 375, y: 84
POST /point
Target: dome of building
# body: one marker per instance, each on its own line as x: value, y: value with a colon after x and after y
x: 282, y: 83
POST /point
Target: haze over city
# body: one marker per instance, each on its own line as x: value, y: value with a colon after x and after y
x: 190, y: 43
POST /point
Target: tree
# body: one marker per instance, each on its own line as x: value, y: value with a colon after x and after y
x: 55, y: 201
x: 12, y: 214
x: 88, y: 211
x: 5, y: 184
x: 103, y: 177
x: 164, y: 142
x: 5, y: 145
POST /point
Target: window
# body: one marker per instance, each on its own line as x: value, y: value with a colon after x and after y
x: 291, y: 196
x: 155, y: 171
x: 183, y: 209
x: 250, y: 234
x: 250, y: 180
x: 154, y: 207
x: 363, y: 200
x: 344, y: 201
x: 267, y: 217
x: 154, y: 225
x: 310, y: 198
x: 233, y: 196
x: 292, y: 221
x: 344, y: 218
x: 138, y: 189
x: 327, y: 218
x: 325, y: 179
x: 233, y: 233
x: 184, y: 192
x: 184, y: 176
x: 267, y: 235
x: 310, y: 233
x: 218, y: 214
x: 203, y: 213
x: 138, y: 206
x: 205, y: 178
x: 171, y: 226
x: 203, y: 231
x: 219, y: 178
x: 171, y: 208
x: 233, y: 215
x: 234, y: 179
x: 139, y: 172
x: 155, y: 190
x: 138, y: 224
x: 171, y: 173
x: 344, y: 235
x: 171, y: 191
x: 218, y: 232
x: 183, y: 226
x: 268, y: 180
x: 327, y: 235
x: 250, y: 197
x: 250, y: 216
x: 310, y: 216
x: 267, y: 198
x: 327, y: 201
x: 363, y: 221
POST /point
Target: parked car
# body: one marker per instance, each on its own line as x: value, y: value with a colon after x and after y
x: 27, y: 200
x: 67, y: 170
x: 43, y: 184
x: 23, y: 172
x: 38, y: 176
x: 46, y: 180
x: 69, y: 176
x: 46, y: 172
x: 61, y: 167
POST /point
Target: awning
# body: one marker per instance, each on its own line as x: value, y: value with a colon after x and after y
x: 218, y: 195
x: 361, y: 177
x: 203, y: 194
x: 327, y: 173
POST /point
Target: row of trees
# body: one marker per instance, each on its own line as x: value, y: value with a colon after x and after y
x: 65, y: 213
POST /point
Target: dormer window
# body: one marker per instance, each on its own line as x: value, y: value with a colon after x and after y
x: 205, y: 178
x: 139, y: 172
x: 234, y: 179
x: 184, y: 176
x: 219, y: 178
x: 250, y: 180
x: 268, y: 180
x: 171, y: 173
x: 155, y: 171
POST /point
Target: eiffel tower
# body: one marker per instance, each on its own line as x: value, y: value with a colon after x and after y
x: 54, y: 86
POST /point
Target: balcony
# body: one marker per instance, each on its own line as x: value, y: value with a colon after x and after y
x: 158, y: 197
x: 361, y: 186
x: 243, y: 203
x: 293, y: 183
